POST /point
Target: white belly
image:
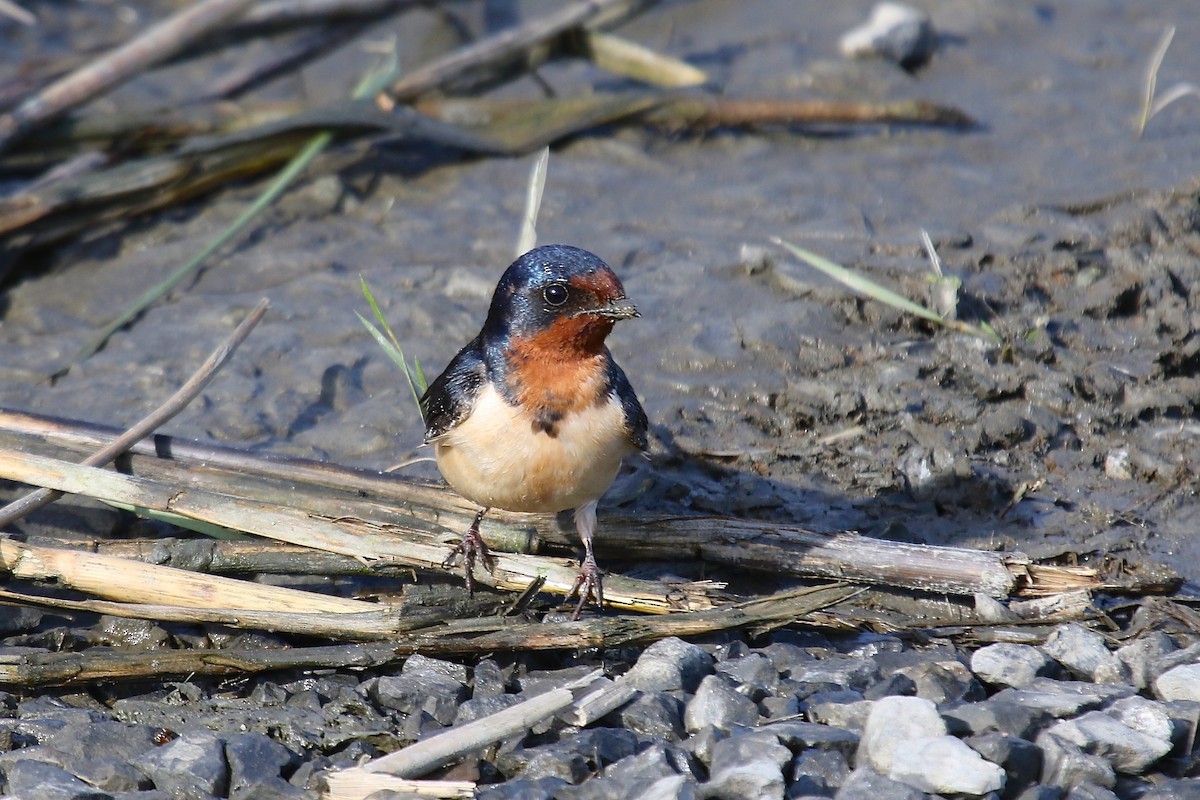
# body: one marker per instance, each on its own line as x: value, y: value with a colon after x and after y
x: 495, y: 457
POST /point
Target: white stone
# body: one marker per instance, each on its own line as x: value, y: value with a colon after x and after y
x: 1179, y: 683
x: 1009, y: 664
x: 944, y: 765
x: 894, y: 720
x: 1127, y: 750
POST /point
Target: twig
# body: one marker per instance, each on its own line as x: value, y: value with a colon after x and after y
x: 14, y: 11
x: 457, y: 638
x: 283, y: 58
x: 500, y: 46
x: 438, y: 750
x: 106, y: 72
x: 151, y: 422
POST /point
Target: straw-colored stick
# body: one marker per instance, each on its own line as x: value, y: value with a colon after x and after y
x: 135, y: 582
x: 428, y: 754
x: 346, y: 536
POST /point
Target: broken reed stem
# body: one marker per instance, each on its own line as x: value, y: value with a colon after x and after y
x: 458, y: 638
x: 499, y: 46
x: 100, y: 75
x: 148, y: 424
x: 420, y: 548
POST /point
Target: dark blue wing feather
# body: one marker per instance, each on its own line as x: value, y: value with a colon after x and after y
x: 636, y: 423
x: 450, y: 398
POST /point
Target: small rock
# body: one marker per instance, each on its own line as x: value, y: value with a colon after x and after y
x: 944, y: 765
x: 1185, y: 789
x: 817, y: 772
x: 754, y: 675
x: 479, y: 707
x: 894, y: 720
x: 1179, y: 683
x: 1085, y: 654
x: 1090, y: 791
x: 522, y: 789
x: 1065, y: 764
x: 797, y: 735
x: 670, y: 664
x: 432, y: 691
x: 1063, y: 698
x: 1021, y: 759
x: 1144, y: 716
x: 897, y: 684
x: 894, y: 32
x: 196, y: 760
x: 654, y: 714
x: 779, y: 707
x: 256, y: 758
x: 749, y: 765
x: 717, y: 704
x: 944, y: 681
x: 1126, y: 749
x: 867, y: 784
x: 1014, y: 719
x: 841, y: 709
x: 1007, y: 664
x: 786, y: 658
x: 36, y: 779
x: 538, y: 682
x: 488, y: 679
x: 846, y: 672
x: 1140, y: 656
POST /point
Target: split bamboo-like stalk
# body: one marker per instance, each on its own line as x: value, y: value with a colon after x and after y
x: 419, y: 548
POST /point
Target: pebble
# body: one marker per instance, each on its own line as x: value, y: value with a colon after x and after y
x: 944, y: 765
x: 716, y: 704
x: 1085, y: 654
x: 1005, y: 664
x: 1128, y: 751
x: 895, y: 32
x: 864, y: 717
x: 670, y: 664
x: 1179, y: 683
x: 893, y: 721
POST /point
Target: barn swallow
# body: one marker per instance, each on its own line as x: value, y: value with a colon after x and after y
x: 533, y: 415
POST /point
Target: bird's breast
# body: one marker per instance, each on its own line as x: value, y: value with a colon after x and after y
x: 502, y: 456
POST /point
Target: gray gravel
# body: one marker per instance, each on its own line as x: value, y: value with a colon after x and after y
x: 703, y: 723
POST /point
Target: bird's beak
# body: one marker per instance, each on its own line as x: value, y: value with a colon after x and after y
x: 617, y: 309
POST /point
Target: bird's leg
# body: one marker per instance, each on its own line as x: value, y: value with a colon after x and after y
x: 471, y: 545
x: 589, y: 582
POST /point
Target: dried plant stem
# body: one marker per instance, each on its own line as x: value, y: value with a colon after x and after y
x: 98, y: 76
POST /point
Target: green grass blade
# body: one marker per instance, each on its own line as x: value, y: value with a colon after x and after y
x: 869, y: 288
x: 391, y: 345
x: 367, y: 86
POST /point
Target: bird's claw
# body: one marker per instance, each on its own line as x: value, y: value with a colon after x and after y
x: 588, y: 584
x: 470, y: 547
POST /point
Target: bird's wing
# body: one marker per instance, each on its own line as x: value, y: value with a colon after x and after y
x: 450, y: 398
x: 636, y: 423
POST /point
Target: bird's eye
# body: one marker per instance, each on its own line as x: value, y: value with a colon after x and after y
x: 555, y: 294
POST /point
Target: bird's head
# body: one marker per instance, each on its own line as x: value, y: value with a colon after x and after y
x: 561, y: 298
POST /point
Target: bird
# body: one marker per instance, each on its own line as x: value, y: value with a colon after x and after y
x: 533, y: 414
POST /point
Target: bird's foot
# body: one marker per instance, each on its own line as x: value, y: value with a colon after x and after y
x: 588, y: 584
x: 470, y: 547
